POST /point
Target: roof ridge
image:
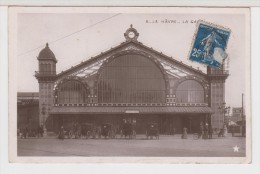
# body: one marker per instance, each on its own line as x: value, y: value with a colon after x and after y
x: 93, y: 58
x: 171, y: 58
x: 127, y: 42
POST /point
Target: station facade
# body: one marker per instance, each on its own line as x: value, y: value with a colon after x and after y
x: 130, y: 81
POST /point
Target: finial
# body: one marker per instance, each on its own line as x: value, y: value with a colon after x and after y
x: 131, y: 26
x: 47, y: 45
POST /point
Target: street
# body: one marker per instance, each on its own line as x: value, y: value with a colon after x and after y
x: 166, y: 146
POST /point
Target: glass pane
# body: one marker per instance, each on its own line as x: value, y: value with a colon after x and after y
x: 131, y: 79
x: 72, y: 91
x: 190, y: 91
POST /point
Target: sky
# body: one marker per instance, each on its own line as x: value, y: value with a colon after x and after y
x: 34, y: 30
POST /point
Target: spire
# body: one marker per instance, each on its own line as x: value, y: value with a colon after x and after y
x: 131, y: 26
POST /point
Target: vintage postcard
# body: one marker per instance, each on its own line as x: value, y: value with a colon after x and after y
x: 129, y: 85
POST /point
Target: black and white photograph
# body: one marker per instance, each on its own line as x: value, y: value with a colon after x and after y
x: 116, y: 84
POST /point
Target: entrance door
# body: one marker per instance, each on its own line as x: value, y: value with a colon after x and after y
x: 136, y: 120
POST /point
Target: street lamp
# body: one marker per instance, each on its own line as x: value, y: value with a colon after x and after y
x: 221, y: 108
x: 225, y: 110
x: 43, y: 112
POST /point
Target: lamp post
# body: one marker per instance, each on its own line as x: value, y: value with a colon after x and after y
x: 221, y: 108
x: 225, y: 110
x: 43, y: 112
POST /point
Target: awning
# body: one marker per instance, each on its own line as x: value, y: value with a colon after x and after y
x: 119, y: 110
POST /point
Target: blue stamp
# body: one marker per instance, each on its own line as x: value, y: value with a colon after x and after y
x: 209, y: 44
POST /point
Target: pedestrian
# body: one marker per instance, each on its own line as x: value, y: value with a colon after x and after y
x: 18, y: 132
x: 61, y: 133
x: 42, y: 130
x: 224, y: 130
x: 184, y: 134
x: 39, y: 132
x: 210, y: 131
x: 221, y: 133
x: 233, y: 131
x: 201, y: 130
x: 99, y: 132
x: 205, y: 134
x: 26, y: 132
x: 173, y: 131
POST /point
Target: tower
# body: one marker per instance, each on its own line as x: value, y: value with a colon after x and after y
x: 46, y: 77
x: 217, y: 78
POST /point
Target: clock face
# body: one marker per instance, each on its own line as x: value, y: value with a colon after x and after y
x: 131, y: 34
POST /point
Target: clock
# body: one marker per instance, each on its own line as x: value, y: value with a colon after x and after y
x: 131, y: 34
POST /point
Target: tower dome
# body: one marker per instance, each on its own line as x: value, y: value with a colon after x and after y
x: 46, y: 54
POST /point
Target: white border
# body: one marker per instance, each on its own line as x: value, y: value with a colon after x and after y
x: 214, y: 3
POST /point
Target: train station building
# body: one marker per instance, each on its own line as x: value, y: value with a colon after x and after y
x: 130, y: 81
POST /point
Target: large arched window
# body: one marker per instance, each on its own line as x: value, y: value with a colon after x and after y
x: 72, y: 91
x: 190, y: 91
x: 131, y: 78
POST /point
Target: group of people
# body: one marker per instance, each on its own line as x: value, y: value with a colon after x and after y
x: 223, y: 131
x: 80, y: 130
x: 28, y: 132
x: 205, y: 132
x: 90, y: 130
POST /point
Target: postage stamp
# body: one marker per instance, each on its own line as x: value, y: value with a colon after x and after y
x: 209, y: 44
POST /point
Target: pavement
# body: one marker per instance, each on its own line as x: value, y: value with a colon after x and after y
x: 166, y: 146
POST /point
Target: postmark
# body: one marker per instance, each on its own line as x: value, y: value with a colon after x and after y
x: 209, y: 44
